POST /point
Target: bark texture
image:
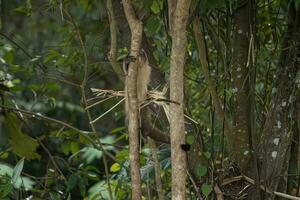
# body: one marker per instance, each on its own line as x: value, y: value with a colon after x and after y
x: 277, y: 133
x: 240, y: 134
x: 132, y: 99
x: 177, y: 129
x: 120, y: 27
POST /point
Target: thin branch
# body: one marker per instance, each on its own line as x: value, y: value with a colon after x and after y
x: 204, y: 63
x: 82, y: 133
x: 53, y: 160
x: 84, y: 100
x: 113, y: 41
x: 91, y: 122
x: 45, y: 118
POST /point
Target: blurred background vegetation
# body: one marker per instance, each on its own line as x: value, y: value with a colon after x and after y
x: 52, y: 52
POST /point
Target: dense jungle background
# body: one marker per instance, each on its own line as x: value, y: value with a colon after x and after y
x: 211, y: 90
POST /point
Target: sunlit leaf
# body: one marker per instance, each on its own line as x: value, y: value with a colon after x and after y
x: 155, y: 7
x: 115, y: 167
x: 117, y: 130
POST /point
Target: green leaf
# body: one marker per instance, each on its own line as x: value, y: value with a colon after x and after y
x: 74, y: 147
x: 83, y: 140
x: 122, y: 156
x: 206, y: 189
x: 7, y: 171
x: 4, y: 155
x: 91, y: 154
x: 21, y: 9
x: 115, y: 167
x: 70, y: 147
x: 17, y: 170
x: 155, y: 8
x: 82, y: 185
x: 72, y: 181
x: 5, y: 189
x: 201, y: 170
x: 119, y: 129
x: 153, y: 25
x: 207, y: 154
x: 190, y: 139
x: 51, y: 55
x: 21, y: 144
x: 66, y: 147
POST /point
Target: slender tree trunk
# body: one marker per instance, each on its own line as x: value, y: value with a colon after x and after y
x: 113, y: 41
x: 277, y: 135
x: 240, y: 134
x: 132, y: 100
x: 177, y: 129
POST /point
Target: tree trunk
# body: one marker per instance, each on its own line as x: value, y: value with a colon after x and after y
x: 132, y: 100
x: 177, y: 129
x: 240, y: 134
x: 277, y: 135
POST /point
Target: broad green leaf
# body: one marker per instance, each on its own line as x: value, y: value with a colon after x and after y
x: 5, y: 189
x: 21, y: 144
x: 72, y: 181
x: 74, y: 147
x: 7, y: 171
x: 153, y: 25
x: 66, y: 147
x: 91, y: 154
x: 70, y: 147
x: 115, y: 167
x: 201, y: 170
x: 17, y: 170
x: 99, y: 188
x: 82, y: 183
x: 206, y: 189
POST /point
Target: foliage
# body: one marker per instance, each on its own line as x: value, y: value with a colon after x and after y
x: 52, y: 52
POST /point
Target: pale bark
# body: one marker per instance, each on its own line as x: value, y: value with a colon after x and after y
x: 177, y: 128
x: 171, y: 11
x: 132, y: 101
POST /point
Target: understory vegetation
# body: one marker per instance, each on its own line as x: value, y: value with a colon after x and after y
x: 151, y: 99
